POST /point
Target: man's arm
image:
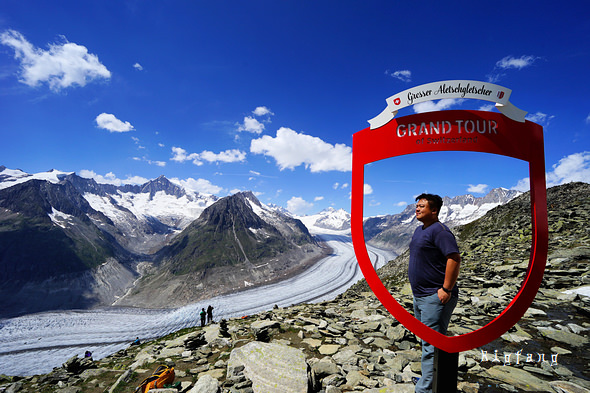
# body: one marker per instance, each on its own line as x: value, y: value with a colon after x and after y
x: 451, y: 275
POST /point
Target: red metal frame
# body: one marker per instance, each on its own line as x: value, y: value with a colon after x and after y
x: 497, y: 134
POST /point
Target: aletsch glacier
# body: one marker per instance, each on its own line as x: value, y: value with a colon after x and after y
x: 35, y: 344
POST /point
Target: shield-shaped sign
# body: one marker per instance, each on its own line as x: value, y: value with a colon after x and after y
x: 463, y: 130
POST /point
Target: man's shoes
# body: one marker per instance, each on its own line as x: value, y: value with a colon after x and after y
x: 415, y: 380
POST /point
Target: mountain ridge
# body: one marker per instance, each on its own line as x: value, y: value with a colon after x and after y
x: 125, y: 227
x: 236, y: 243
x: 394, y: 231
x: 140, y: 230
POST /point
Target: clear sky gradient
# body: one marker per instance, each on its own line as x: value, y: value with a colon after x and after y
x: 230, y: 96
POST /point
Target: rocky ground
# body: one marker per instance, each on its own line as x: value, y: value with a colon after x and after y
x: 349, y: 344
x: 353, y: 344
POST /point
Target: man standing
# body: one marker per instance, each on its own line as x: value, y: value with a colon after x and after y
x: 433, y: 271
x: 210, y: 314
x: 203, y: 314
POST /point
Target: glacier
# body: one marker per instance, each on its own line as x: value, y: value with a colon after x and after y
x: 36, y: 343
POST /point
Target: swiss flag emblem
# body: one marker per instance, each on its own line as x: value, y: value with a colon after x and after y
x: 397, y: 101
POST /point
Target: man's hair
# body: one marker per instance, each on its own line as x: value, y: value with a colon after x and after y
x: 434, y: 201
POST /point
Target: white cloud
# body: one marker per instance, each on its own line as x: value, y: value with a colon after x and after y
x: 510, y: 62
x: 291, y: 149
x: 401, y: 204
x: 494, y: 77
x: 588, y: 119
x: 109, y: 122
x: 158, y: 163
x: 262, y: 111
x: 573, y: 168
x: 252, y: 125
x: 318, y: 198
x: 513, y: 62
x: 151, y: 162
x: 62, y: 65
x: 539, y: 118
x: 234, y: 155
x: 298, y: 206
x: 138, y: 67
x: 367, y: 189
x: 201, y: 186
x: 402, y: 75
x: 336, y: 185
x: 487, y: 107
x: 478, y: 189
x: 111, y: 178
x: 522, y: 185
x: 179, y: 155
x: 431, y: 106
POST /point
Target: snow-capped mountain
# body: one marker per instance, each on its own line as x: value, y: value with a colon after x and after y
x: 147, y: 215
x: 459, y: 210
x: 62, y: 233
x: 467, y: 208
x: 394, y: 231
x: 328, y: 220
x: 237, y: 242
x: 11, y: 177
x: 140, y: 217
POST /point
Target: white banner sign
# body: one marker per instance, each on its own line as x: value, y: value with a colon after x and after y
x: 449, y: 89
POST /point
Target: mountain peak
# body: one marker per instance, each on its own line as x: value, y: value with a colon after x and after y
x: 162, y: 184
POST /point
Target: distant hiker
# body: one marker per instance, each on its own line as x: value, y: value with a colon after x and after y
x: 136, y: 342
x: 209, y: 314
x: 88, y: 354
x: 203, y: 313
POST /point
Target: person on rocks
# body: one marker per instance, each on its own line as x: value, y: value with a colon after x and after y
x: 203, y: 314
x: 433, y: 271
x: 210, y: 314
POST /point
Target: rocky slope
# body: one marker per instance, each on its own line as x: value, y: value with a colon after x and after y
x: 50, y: 240
x: 353, y: 344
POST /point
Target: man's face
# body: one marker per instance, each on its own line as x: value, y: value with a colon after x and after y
x: 423, y: 211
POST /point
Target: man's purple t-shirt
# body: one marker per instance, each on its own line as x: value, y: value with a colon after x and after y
x: 429, y: 249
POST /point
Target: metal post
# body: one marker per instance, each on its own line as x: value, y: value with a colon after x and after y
x: 445, y: 371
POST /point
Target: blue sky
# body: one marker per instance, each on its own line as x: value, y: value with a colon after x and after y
x: 265, y: 95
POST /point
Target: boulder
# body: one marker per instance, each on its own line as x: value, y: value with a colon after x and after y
x: 518, y: 378
x: 272, y: 368
x: 205, y: 384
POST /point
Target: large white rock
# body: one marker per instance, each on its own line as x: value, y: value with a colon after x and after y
x: 272, y: 368
x: 205, y: 384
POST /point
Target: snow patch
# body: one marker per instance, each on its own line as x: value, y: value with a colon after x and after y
x: 59, y: 218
